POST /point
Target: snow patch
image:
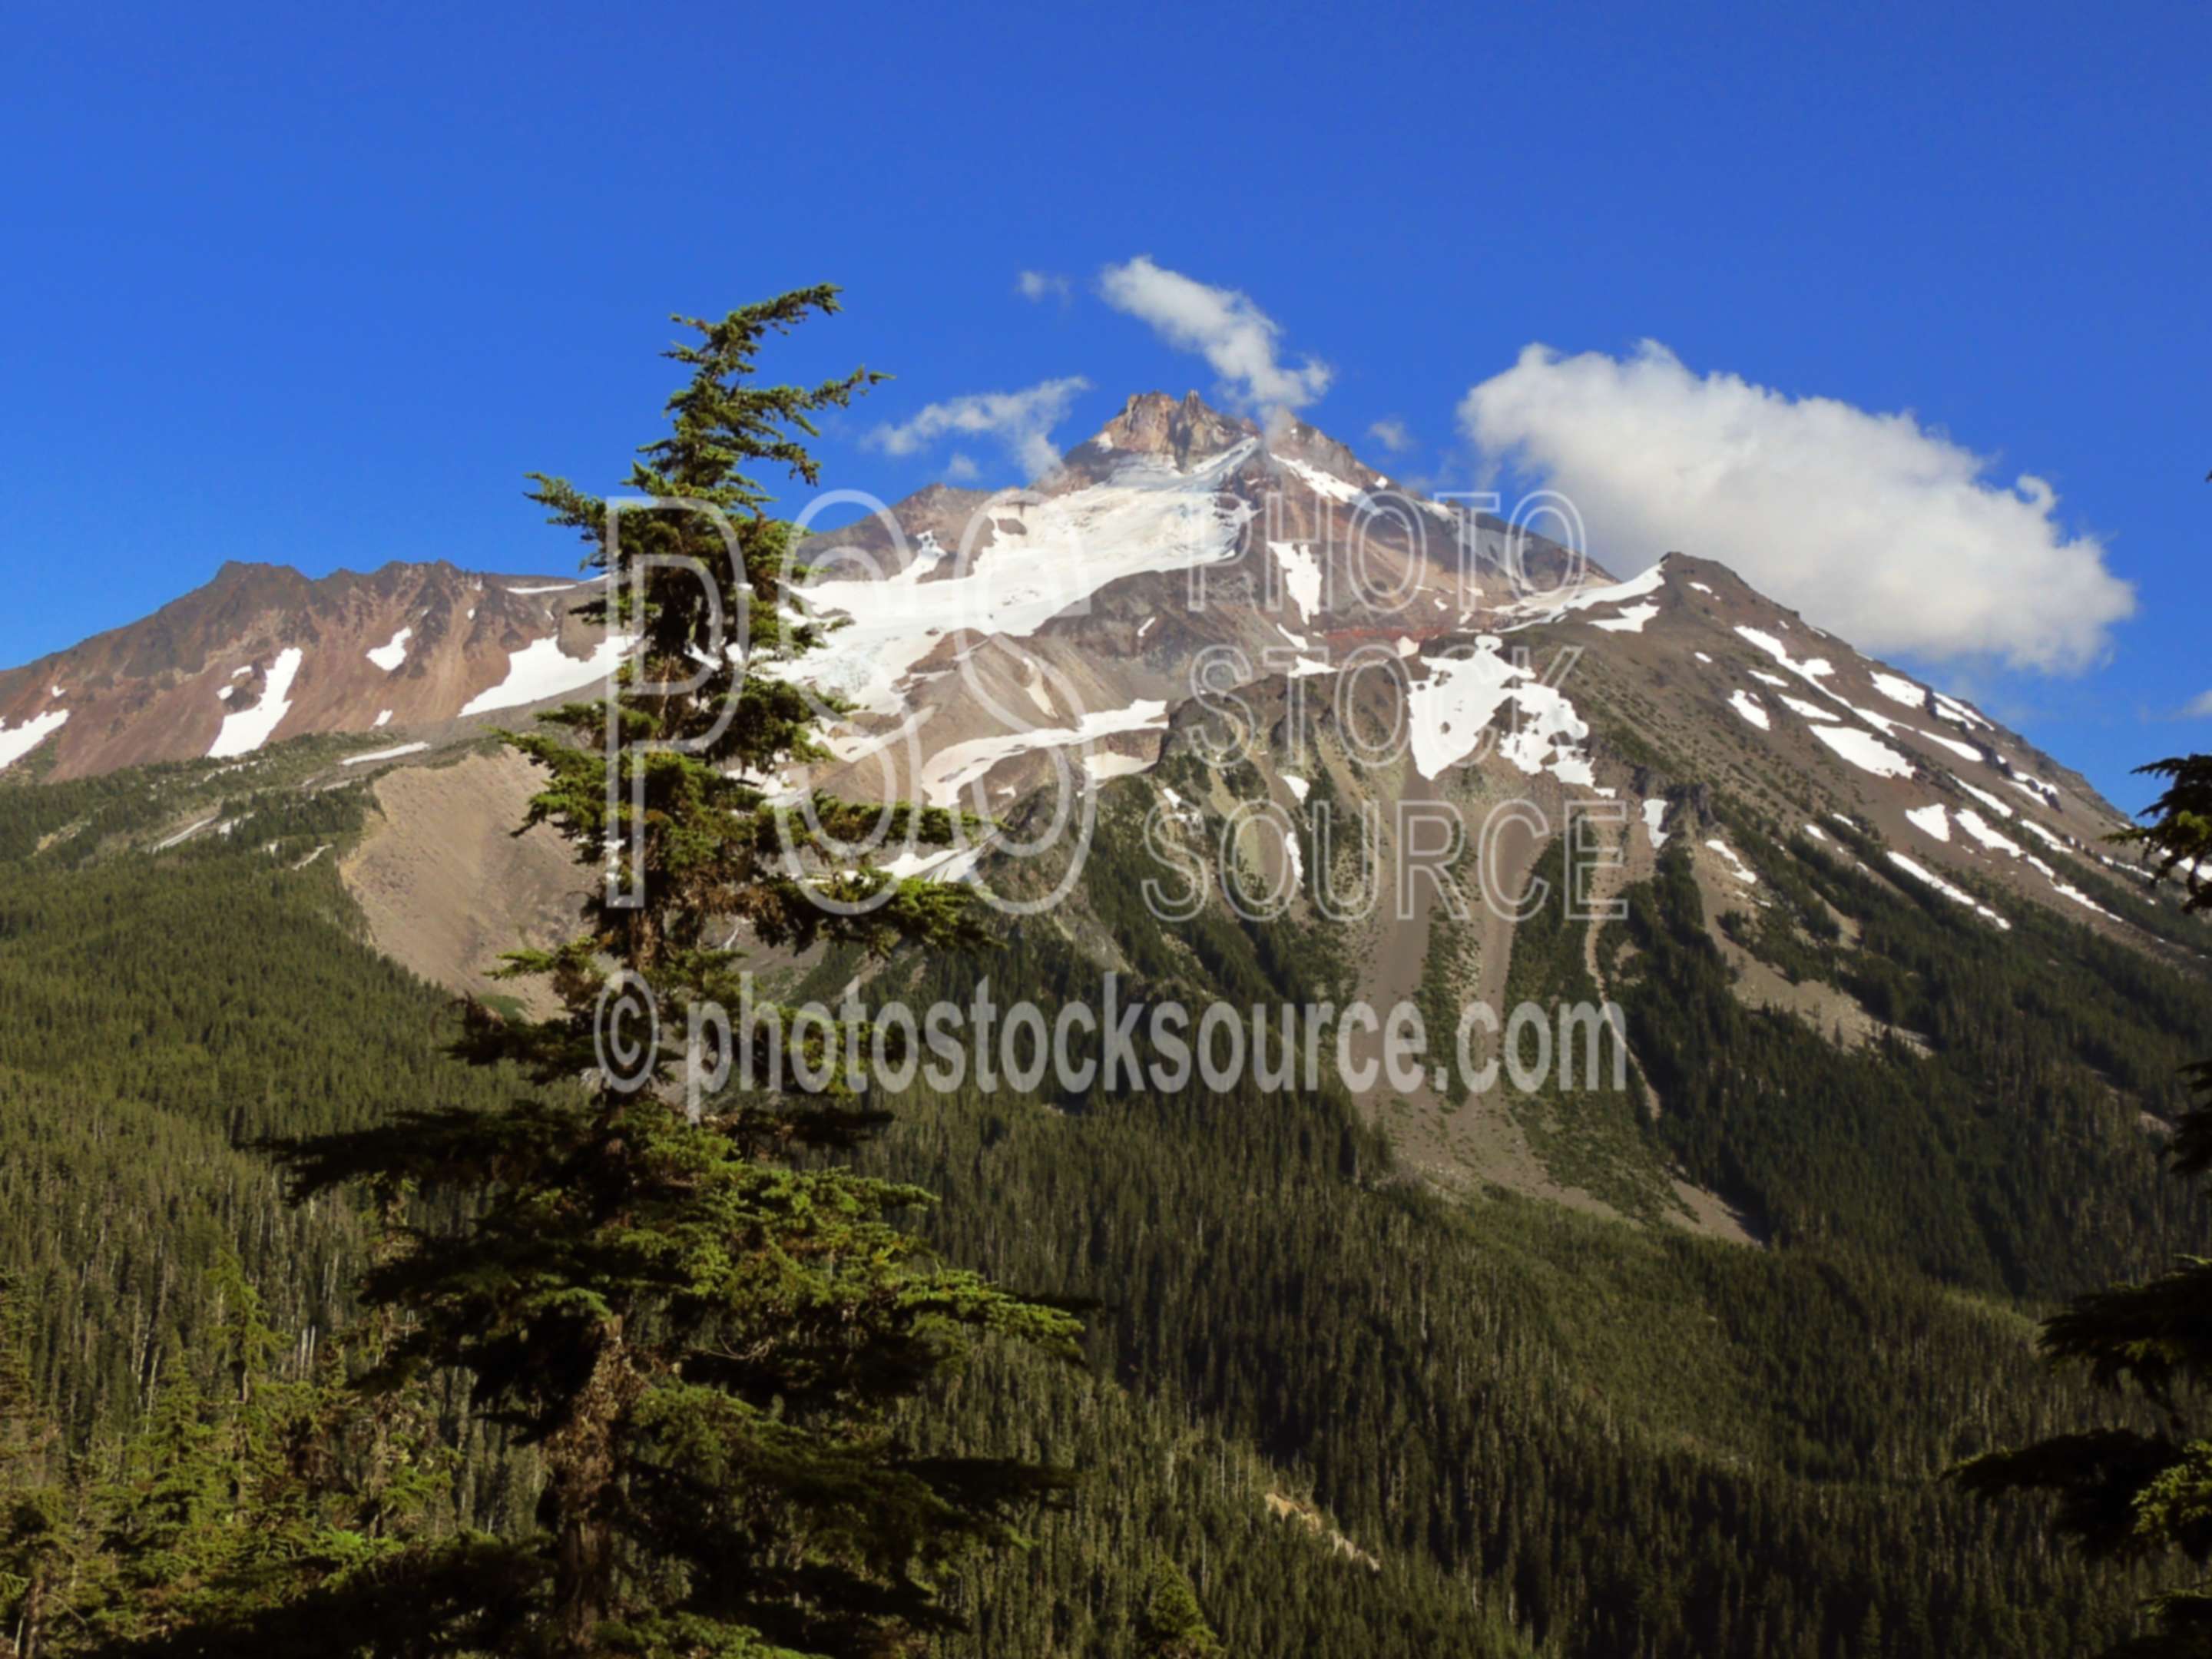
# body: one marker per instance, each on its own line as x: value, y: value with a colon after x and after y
x: 1654, y: 811
x: 542, y: 670
x: 1881, y: 723
x: 1898, y: 688
x: 1103, y: 764
x: 1146, y: 519
x: 23, y: 739
x: 938, y: 864
x: 1922, y: 874
x: 1629, y: 621
x: 182, y: 835
x: 2079, y: 897
x: 2000, y: 808
x: 1959, y: 714
x: 1297, y: 785
x: 1323, y: 483
x: 246, y: 731
x: 383, y: 719
x: 1981, y: 830
x: 1929, y: 821
x: 1033, y: 683
x: 1962, y: 750
x: 1812, y: 670
x: 393, y: 652
x: 384, y: 754
x: 1449, y: 713
x: 1737, y: 868
x: 1751, y: 709
x: 1301, y: 576
x: 1552, y: 607
x: 1864, y: 750
x: 945, y: 772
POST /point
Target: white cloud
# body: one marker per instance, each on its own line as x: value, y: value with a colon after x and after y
x: 1221, y: 324
x: 1023, y: 420
x: 961, y: 469
x: 1042, y: 285
x: 1390, y: 432
x: 1872, y: 525
x: 2198, y: 708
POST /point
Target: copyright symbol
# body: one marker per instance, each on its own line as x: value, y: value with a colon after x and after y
x: 626, y: 1032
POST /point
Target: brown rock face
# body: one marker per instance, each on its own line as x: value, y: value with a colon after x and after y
x: 1181, y: 431
x: 262, y: 654
x: 1177, y: 534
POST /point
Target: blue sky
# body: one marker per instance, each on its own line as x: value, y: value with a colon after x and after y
x: 319, y: 287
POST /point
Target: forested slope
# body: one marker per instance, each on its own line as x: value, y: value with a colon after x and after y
x: 1634, y: 1441
x: 164, y: 1012
x: 1362, y: 1417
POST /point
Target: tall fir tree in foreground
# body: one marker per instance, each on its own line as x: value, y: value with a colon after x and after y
x: 706, y: 1328
x: 2127, y: 1495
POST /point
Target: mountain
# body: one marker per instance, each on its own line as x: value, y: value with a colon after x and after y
x: 1181, y: 569
x: 1261, y: 639
x: 1390, y: 1369
x: 988, y: 631
x: 263, y: 653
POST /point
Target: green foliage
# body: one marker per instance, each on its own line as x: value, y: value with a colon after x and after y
x: 1590, y: 1134
x: 703, y: 1389
x: 2178, y: 833
x: 705, y: 1344
x: 1550, y: 1431
x: 1605, y: 1441
x: 229, y: 1508
x: 2136, y: 1493
x: 1175, y: 1626
x: 1978, y: 1136
x: 1450, y: 970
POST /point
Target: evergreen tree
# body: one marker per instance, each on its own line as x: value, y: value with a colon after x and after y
x: 2178, y: 836
x: 2144, y: 1494
x: 705, y: 1327
x: 264, y: 1515
x: 34, y: 1536
x: 1174, y: 1624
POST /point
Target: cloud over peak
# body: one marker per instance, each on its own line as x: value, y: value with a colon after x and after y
x: 1871, y: 523
x: 1221, y: 324
x: 1022, y: 421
